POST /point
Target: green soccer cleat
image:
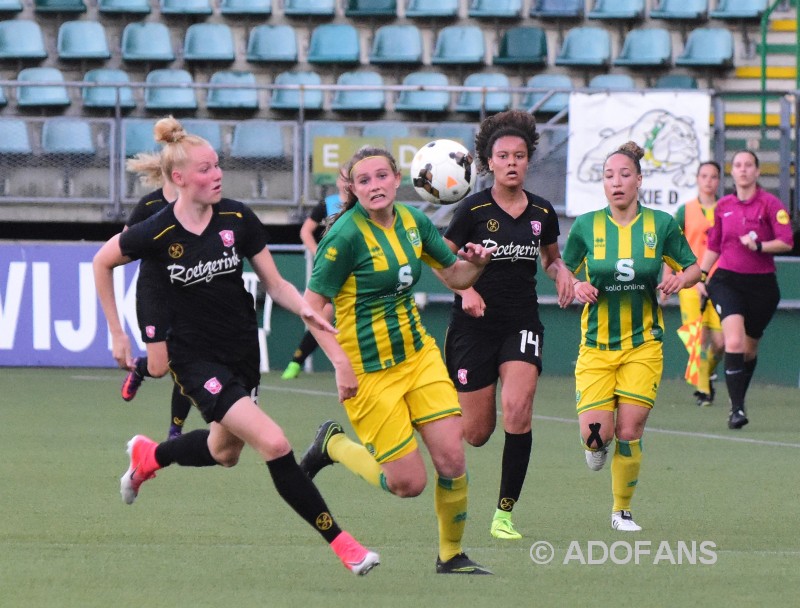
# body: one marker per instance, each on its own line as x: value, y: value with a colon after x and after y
x: 292, y: 371
x: 316, y: 456
x: 503, y: 527
x: 460, y: 564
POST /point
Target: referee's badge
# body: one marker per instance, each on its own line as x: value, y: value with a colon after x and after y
x: 462, y: 376
x: 536, y: 226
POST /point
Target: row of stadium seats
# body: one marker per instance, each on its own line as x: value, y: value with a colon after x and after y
x: 339, y: 43
x: 171, y: 90
x: 488, y: 9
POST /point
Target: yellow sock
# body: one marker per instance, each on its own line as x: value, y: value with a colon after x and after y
x: 357, y: 459
x: 450, y: 502
x: 704, y: 373
x: 625, y: 472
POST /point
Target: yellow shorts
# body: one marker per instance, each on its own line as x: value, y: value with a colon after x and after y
x: 690, y: 309
x: 392, y: 402
x: 603, y: 377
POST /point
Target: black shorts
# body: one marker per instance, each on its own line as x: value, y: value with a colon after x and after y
x: 474, y: 357
x: 754, y: 296
x: 214, y: 387
x: 152, y: 309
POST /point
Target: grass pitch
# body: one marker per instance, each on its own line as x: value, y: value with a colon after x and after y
x: 216, y: 537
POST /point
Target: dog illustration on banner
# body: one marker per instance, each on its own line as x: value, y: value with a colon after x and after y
x: 670, y: 146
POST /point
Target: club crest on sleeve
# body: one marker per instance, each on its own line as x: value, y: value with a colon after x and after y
x: 462, y: 376
x: 228, y: 238
x: 213, y: 386
x: 150, y: 331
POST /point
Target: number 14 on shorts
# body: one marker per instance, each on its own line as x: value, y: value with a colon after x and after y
x: 529, y: 338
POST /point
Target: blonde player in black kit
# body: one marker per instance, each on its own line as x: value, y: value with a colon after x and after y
x: 201, y: 241
x: 495, y: 332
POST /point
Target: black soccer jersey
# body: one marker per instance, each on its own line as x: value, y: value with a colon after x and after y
x: 508, y: 284
x: 148, y: 205
x: 213, y: 316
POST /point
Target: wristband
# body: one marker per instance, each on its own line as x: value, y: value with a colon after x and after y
x: 758, y: 246
x: 703, y: 276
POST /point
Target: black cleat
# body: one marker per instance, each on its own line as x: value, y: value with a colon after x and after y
x: 704, y: 399
x: 316, y: 457
x: 460, y: 564
x: 737, y: 419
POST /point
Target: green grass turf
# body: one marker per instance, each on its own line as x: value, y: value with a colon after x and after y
x: 214, y: 537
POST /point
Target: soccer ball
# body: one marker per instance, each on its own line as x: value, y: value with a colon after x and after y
x: 442, y: 172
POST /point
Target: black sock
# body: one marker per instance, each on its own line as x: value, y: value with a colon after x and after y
x: 736, y: 379
x: 189, y: 450
x: 516, y: 455
x: 307, y: 345
x: 749, y: 369
x: 180, y: 406
x: 141, y: 367
x: 302, y: 495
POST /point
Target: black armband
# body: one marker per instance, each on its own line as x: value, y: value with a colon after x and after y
x: 759, y: 247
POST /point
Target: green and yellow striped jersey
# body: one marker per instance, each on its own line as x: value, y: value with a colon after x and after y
x: 624, y: 264
x: 368, y: 272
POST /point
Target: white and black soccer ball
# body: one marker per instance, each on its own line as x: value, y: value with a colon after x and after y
x: 443, y: 172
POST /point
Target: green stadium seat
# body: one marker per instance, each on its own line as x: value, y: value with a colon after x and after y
x: 134, y: 7
x: 209, y: 130
x: 557, y: 9
x: 475, y: 101
x: 523, y: 45
x: 612, y: 81
x: 258, y: 8
x: 59, y: 6
x: 51, y: 95
x: 551, y: 104
x: 11, y: 6
x: 137, y: 135
x: 186, y: 7
x: 397, y: 44
x: 737, y: 10
x: 170, y: 98
x: 272, y: 44
x: 370, y: 8
x: 232, y: 98
x: 257, y: 140
x: 147, y: 42
x: 614, y: 10
x: 373, y: 100
x: 495, y: 9
x: 585, y: 46
x: 459, y: 45
x: 106, y: 96
x: 424, y: 101
x: 707, y: 48
x: 209, y: 42
x: 290, y: 99
x: 681, y: 10
x: 310, y: 8
x: 646, y: 48
x: 425, y: 9
x: 334, y: 43
x: 14, y: 137
x: 676, y: 81
x: 21, y: 39
x: 458, y: 132
x: 67, y: 137
x: 82, y: 40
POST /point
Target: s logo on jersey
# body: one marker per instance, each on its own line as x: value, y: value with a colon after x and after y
x: 227, y: 237
x: 624, y: 270
x: 175, y: 251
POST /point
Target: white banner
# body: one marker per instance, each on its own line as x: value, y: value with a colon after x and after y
x: 673, y: 128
